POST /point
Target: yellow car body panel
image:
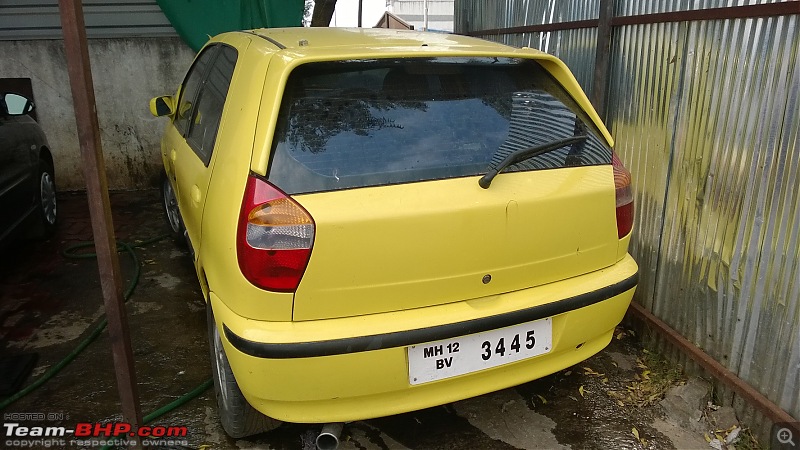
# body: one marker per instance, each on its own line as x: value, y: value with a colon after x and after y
x: 585, y: 289
x: 210, y: 231
x: 352, y: 386
x: 420, y: 244
x: 216, y: 257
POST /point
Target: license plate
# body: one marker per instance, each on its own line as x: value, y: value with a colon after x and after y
x: 464, y: 354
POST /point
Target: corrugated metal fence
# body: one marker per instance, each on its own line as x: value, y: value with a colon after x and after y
x: 706, y: 114
x: 39, y: 19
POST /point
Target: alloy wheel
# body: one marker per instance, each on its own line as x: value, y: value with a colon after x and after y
x: 47, y: 188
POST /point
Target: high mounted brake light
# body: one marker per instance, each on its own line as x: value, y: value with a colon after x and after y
x: 274, y: 238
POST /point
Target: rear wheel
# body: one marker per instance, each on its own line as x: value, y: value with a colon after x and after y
x: 46, y: 204
x: 238, y: 418
x: 173, y: 215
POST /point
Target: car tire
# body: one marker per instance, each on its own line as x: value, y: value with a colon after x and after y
x: 169, y: 201
x: 239, y: 419
x: 46, y: 203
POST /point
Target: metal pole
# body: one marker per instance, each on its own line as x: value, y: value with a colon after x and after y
x: 425, y: 15
x: 360, y: 9
x: 80, y: 78
x: 602, y: 57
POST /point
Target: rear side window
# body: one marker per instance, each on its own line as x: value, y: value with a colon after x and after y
x: 191, y: 86
x: 370, y: 123
x: 210, y: 101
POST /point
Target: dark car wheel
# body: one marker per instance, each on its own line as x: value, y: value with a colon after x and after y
x: 171, y: 211
x: 47, y: 206
x: 238, y: 418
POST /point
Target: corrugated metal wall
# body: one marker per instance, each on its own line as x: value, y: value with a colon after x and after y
x: 575, y: 47
x: 706, y: 115
x: 39, y: 19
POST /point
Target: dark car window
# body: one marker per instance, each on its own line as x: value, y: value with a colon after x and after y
x: 191, y: 86
x: 369, y: 123
x: 210, y: 101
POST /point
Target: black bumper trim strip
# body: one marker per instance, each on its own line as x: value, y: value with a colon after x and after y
x: 412, y: 337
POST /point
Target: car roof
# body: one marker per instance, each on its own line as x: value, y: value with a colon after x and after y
x: 302, y: 39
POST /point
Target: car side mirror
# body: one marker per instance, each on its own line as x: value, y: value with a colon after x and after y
x: 16, y: 105
x: 162, y: 106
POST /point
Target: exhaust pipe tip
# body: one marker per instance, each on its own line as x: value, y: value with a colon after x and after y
x: 328, y: 438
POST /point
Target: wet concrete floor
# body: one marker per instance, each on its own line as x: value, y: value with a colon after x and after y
x: 49, y: 303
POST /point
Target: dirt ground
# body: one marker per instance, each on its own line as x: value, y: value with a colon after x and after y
x: 49, y: 303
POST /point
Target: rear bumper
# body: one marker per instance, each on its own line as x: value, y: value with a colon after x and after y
x: 412, y: 337
x: 355, y: 368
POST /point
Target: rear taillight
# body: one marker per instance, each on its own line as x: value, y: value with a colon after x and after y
x: 274, y: 238
x: 624, y: 190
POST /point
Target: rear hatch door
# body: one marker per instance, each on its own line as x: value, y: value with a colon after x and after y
x: 386, y: 157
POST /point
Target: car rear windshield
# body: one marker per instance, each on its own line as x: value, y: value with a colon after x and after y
x: 360, y: 123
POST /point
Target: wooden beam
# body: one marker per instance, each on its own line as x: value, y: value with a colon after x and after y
x: 786, y: 8
x: 728, y: 12
x: 80, y: 78
x: 541, y: 28
x: 323, y: 13
x: 602, y: 57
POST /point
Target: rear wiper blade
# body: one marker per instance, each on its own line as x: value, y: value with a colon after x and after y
x: 527, y: 153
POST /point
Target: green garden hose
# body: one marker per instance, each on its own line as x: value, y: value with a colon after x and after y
x: 71, y: 252
x: 170, y: 406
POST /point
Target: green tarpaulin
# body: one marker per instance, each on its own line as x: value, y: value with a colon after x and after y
x: 196, y: 20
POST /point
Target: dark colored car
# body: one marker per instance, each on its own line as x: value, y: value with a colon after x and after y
x: 27, y: 178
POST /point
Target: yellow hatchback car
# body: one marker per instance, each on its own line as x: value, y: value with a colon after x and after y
x: 383, y: 221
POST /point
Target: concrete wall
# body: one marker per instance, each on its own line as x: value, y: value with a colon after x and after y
x: 127, y: 73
